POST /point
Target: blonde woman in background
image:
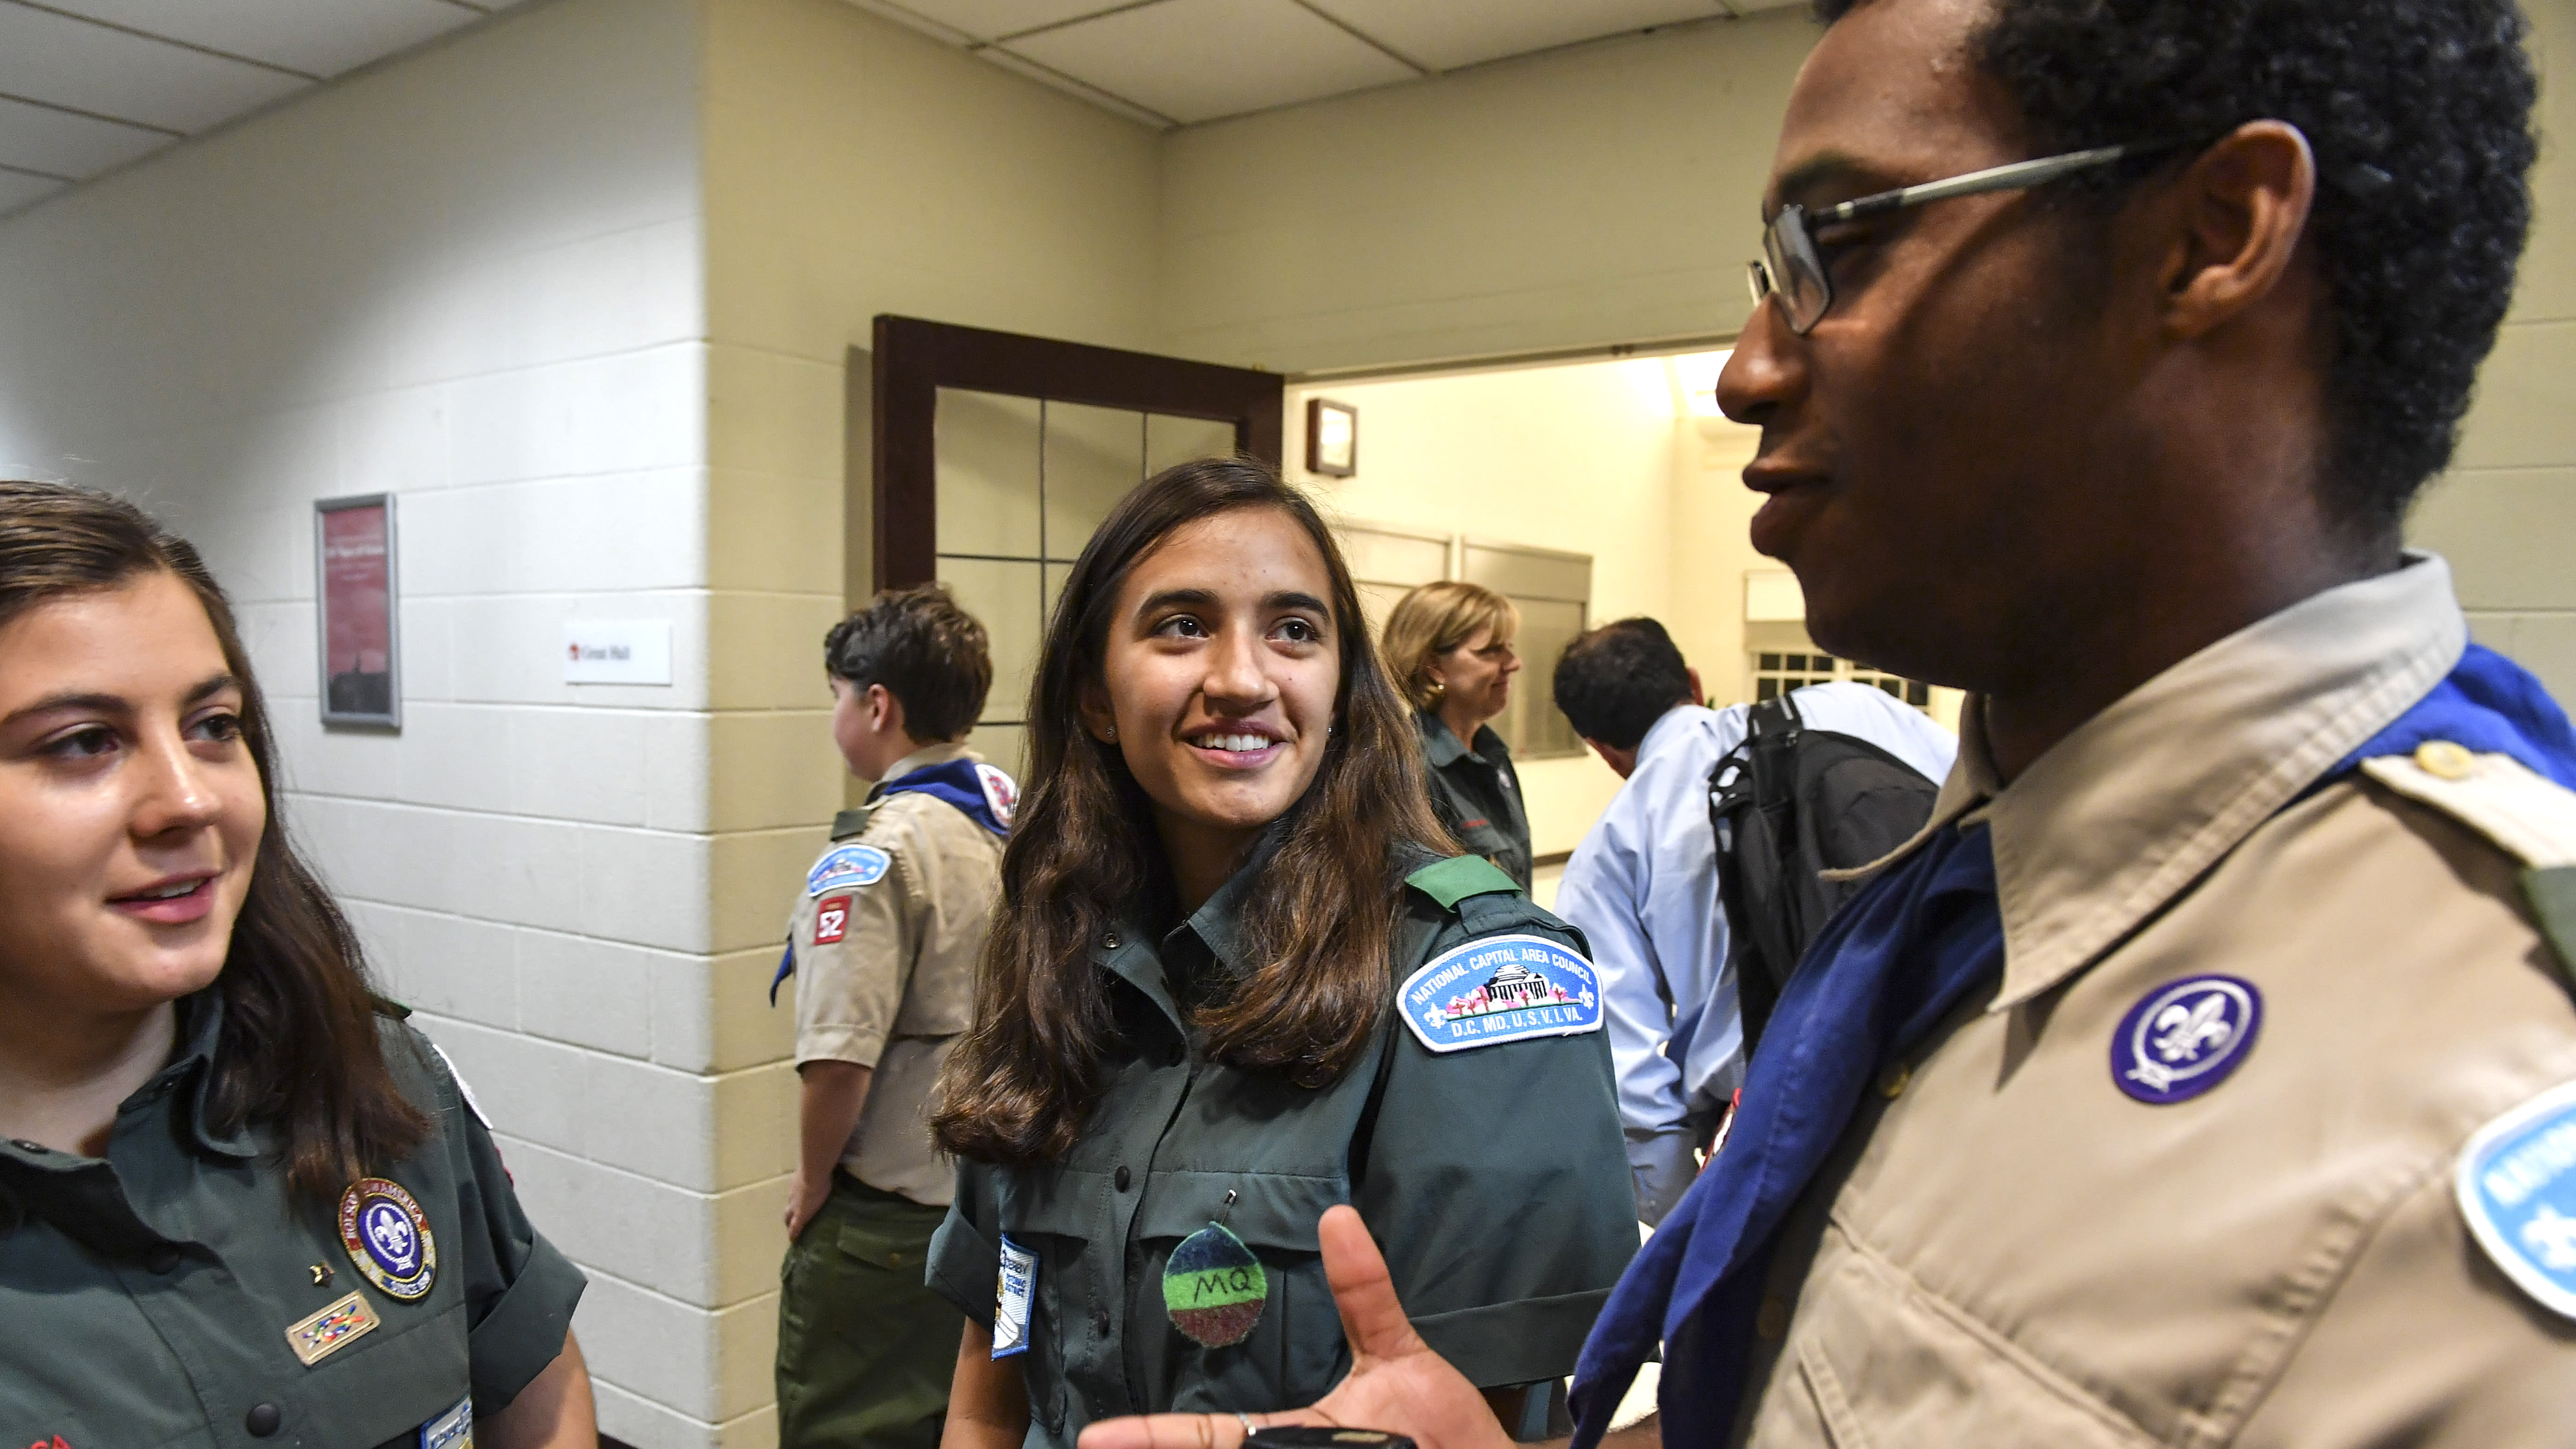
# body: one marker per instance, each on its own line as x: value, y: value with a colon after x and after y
x: 1449, y: 645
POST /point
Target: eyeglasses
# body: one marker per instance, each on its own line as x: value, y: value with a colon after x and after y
x: 1794, y: 271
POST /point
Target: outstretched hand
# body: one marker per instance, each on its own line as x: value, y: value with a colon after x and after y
x: 1396, y: 1382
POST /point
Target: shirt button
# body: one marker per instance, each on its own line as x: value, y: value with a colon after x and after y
x: 1100, y: 1322
x: 1123, y: 1179
x: 162, y: 1259
x: 1109, y: 941
x: 262, y: 1420
x: 2445, y: 760
x: 1771, y: 1320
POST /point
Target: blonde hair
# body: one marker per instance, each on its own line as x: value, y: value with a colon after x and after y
x: 1434, y: 619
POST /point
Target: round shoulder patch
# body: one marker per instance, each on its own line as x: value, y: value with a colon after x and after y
x: 2517, y: 1187
x: 847, y: 865
x: 388, y: 1237
x: 1001, y: 794
x: 1499, y: 989
x: 2185, y: 1037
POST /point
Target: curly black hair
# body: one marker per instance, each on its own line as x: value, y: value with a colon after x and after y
x: 2419, y: 112
x: 928, y: 653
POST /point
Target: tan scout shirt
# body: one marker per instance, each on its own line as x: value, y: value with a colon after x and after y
x: 2008, y: 1251
x: 885, y: 972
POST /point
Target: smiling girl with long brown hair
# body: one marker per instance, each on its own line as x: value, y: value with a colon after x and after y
x: 1241, y: 975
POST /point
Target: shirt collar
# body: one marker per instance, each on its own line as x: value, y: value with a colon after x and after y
x: 200, y: 1028
x: 923, y: 758
x: 1669, y: 726
x: 1440, y: 744
x: 2119, y: 817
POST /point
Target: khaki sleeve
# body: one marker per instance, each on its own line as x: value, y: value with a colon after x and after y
x: 854, y: 951
x: 2426, y: 1344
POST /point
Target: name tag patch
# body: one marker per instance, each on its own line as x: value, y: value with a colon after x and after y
x: 1012, y: 1295
x: 1502, y: 988
x: 2184, y: 1038
x: 451, y: 1430
x: 335, y: 1327
x: 2517, y: 1187
x: 831, y: 920
x: 848, y: 865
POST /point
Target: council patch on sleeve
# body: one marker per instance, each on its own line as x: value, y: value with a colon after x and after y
x: 2517, y: 1188
x: 847, y: 865
x: 1499, y: 989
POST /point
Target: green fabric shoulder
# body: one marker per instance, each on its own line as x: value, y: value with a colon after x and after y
x: 1460, y: 876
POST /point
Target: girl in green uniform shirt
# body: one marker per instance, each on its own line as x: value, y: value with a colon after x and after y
x: 1241, y: 975
x: 240, y: 1200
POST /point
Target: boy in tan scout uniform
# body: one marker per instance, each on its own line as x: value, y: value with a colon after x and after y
x: 883, y: 943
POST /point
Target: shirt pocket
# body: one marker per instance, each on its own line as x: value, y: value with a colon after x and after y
x: 386, y: 1385
x: 1295, y: 1353
x: 1877, y: 1363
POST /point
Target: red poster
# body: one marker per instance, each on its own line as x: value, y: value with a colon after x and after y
x: 357, y: 602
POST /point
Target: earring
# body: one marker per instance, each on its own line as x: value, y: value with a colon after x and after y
x: 1113, y: 732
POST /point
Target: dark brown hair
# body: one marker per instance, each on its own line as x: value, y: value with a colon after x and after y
x: 1317, y: 928
x: 299, y: 1049
x: 928, y: 653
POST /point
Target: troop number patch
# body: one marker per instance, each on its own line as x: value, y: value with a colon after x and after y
x: 2517, y: 1188
x: 1502, y: 988
x: 387, y: 1236
x: 847, y: 865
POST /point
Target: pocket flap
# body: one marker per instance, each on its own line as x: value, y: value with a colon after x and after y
x: 895, y: 1252
x: 1272, y: 1209
x: 1067, y: 1202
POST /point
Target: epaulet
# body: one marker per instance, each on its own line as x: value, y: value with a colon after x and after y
x: 2526, y: 815
x: 387, y: 1006
x: 850, y: 822
x: 1460, y: 876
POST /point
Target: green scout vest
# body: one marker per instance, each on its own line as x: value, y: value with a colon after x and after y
x: 1494, y: 1178
x: 172, y: 1293
x: 1477, y: 794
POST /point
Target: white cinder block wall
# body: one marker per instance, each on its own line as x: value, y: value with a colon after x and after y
x: 474, y: 278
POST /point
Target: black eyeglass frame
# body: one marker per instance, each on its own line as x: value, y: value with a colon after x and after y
x: 1789, y: 244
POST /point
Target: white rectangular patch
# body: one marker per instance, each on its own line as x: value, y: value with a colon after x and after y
x: 617, y: 651
x: 451, y: 1430
x: 1012, y: 1296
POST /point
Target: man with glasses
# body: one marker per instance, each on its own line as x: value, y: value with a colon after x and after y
x: 2206, y: 1073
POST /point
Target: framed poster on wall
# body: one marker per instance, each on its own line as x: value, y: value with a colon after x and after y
x: 353, y: 569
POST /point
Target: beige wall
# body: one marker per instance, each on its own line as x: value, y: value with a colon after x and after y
x: 1606, y: 194
x: 2506, y: 514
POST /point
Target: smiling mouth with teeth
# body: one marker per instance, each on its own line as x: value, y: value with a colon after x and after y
x: 168, y: 892
x: 1235, y: 744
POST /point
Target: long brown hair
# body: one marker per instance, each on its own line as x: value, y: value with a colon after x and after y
x: 299, y: 1050
x: 1317, y: 927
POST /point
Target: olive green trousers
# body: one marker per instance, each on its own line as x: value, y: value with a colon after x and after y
x: 864, y: 1350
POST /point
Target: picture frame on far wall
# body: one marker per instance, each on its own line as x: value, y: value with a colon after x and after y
x: 357, y: 608
x: 1332, y: 438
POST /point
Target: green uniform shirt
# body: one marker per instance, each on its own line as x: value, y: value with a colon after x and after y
x: 148, y: 1298
x: 1493, y: 1178
x: 1477, y: 794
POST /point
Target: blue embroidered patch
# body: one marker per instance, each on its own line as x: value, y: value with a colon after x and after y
x: 1502, y: 988
x: 2517, y: 1188
x: 848, y: 865
x: 2185, y: 1037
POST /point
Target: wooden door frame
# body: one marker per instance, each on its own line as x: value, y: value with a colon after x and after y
x: 915, y: 358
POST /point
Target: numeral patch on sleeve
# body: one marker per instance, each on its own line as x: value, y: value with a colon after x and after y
x: 831, y: 920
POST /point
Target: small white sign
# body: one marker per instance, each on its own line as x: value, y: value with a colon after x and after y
x: 617, y: 651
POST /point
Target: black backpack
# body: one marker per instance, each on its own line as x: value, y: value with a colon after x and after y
x: 1787, y: 803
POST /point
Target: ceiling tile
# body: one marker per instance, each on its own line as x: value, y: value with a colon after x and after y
x: 317, y: 37
x: 993, y: 19
x: 72, y: 63
x: 1196, y: 60
x: 17, y: 191
x: 37, y: 138
x: 1446, y: 37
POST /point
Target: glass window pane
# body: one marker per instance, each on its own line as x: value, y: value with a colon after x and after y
x: 987, y: 457
x: 1531, y: 724
x: 1170, y: 440
x: 1094, y: 457
x: 1005, y: 597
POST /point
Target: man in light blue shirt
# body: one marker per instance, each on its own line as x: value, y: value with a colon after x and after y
x: 1643, y: 883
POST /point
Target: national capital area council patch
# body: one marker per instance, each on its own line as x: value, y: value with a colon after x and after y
x: 388, y: 1237
x: 2517, y: 1187
x: 847, y: 865
x: 1500, y: 989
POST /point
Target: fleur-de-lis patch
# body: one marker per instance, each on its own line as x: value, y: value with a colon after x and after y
x: 2185, y: 1037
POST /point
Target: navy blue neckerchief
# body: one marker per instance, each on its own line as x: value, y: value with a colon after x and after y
x: 1898, y: 960
x: 954, y: 781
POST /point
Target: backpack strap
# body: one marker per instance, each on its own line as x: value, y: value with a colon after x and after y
x: 2525, y: 814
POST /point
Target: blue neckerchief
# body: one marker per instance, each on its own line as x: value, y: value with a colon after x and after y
x: 1905, y: 952
x: 1891, y: 965
x: 956, y: 782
